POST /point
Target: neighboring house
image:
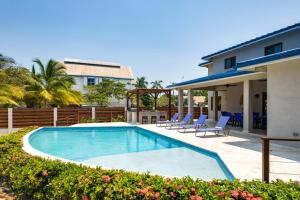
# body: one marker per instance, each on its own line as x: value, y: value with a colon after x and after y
x: 198, y: 100
x: 86, y: 72
x: 260, y: 75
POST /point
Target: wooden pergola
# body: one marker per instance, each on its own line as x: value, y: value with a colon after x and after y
x: 152, y: 92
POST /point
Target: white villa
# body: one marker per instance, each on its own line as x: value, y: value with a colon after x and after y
x: 261, y: 76
x: 87, y: 72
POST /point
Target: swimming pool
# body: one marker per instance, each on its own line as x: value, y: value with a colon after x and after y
x: 131, y: 148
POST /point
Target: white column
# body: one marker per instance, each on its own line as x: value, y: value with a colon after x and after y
x: 248, y: 106
x: 10, y: 120
x: 180, y: 104
x: 54, y: 116
x: 215, y: 107
x: 190, y: 103
x: 93, y: 113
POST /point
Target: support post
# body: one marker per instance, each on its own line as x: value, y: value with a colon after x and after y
x: 248, y: 106
x: 93, y: 113
x: 10, y: 120
x: 216, y: 115
x: 137, y: 105
x: 155, y: 100
x: 265, y: 159
x: 54, y: 117
x: 170, y: 105
x: 191, y: 103
x: 180, y: 104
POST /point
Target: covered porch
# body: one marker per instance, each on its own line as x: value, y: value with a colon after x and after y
x: 240, y: 94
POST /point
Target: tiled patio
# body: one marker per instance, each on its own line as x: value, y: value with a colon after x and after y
x: 241, y: 152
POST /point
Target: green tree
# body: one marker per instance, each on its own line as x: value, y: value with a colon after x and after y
x: 102, y: 92
x: 141, y: 82
x: 146, y: 99
x: 12, y: 80
x: 10, y: 95
x: 163, y: 101
x: 157, y: 84
x: 6, y: 61
x: 51, y: 87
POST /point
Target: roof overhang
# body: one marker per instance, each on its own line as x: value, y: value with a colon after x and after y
x: 211, y: 84
x: 206, y: 64
x: 253, y: 41
x: 257, y: 63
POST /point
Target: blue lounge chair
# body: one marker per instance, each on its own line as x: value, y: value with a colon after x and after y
x: 220, y: 126
x: 200, y: 123
x: 173, y: 120
x: 185, y: 121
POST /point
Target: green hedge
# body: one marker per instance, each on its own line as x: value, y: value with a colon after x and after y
x: 36, y: 178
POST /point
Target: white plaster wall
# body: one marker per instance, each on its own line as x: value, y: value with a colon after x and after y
x: 210, y: 112
x: 81, y: 82
x: 230, y: 99
x: 290, y: 40
x: 284, y: 99
x: 258, y: 88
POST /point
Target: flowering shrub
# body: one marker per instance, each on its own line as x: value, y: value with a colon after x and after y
x: 36, y: 178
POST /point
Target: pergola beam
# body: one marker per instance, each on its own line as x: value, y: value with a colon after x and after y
x: 141, y: 91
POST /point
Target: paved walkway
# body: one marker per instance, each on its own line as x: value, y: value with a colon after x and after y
x: 242, y: 153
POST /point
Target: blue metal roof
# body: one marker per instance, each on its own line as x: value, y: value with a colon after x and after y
x: 227, y: 74
x: 269, y: 58
x: 280, y: 31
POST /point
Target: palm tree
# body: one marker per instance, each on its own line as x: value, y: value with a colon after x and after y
x: 51, y: 86
x: 6, y: 61
x: 157, y: 84
x: 9, y: 94
x: 141, y: 82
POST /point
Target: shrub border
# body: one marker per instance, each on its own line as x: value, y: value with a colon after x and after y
x: 32, y: 177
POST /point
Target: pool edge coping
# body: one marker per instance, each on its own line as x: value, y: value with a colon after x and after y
x: 34, y: 152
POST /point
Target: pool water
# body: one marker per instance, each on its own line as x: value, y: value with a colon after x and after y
x: 130, y: 148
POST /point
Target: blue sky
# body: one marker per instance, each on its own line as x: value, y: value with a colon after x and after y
x: 159, y: 39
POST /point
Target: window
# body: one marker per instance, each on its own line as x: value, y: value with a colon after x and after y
x: 90, y: 81
x: 230, y: 62
x: 275, y: 48
x: 211, y: 103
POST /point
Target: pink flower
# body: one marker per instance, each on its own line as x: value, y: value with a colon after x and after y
x: 256, y: 198
x: 250, y: 195
x: 173, y: 194
x: 234, y: 194
x: 193, y: 190
x: 221, y: 194
x: 106, y: 178
x: 157, y: 195
x: 195, y: 197
x: 45, y: 173
x: 243, y: 195
x: 85, y: 197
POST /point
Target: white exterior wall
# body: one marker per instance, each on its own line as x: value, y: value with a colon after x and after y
x: 81, y: 82
x: 284, y: 99
x: 210, y: 112
x: 290, y: 41
x: 230, y: 99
